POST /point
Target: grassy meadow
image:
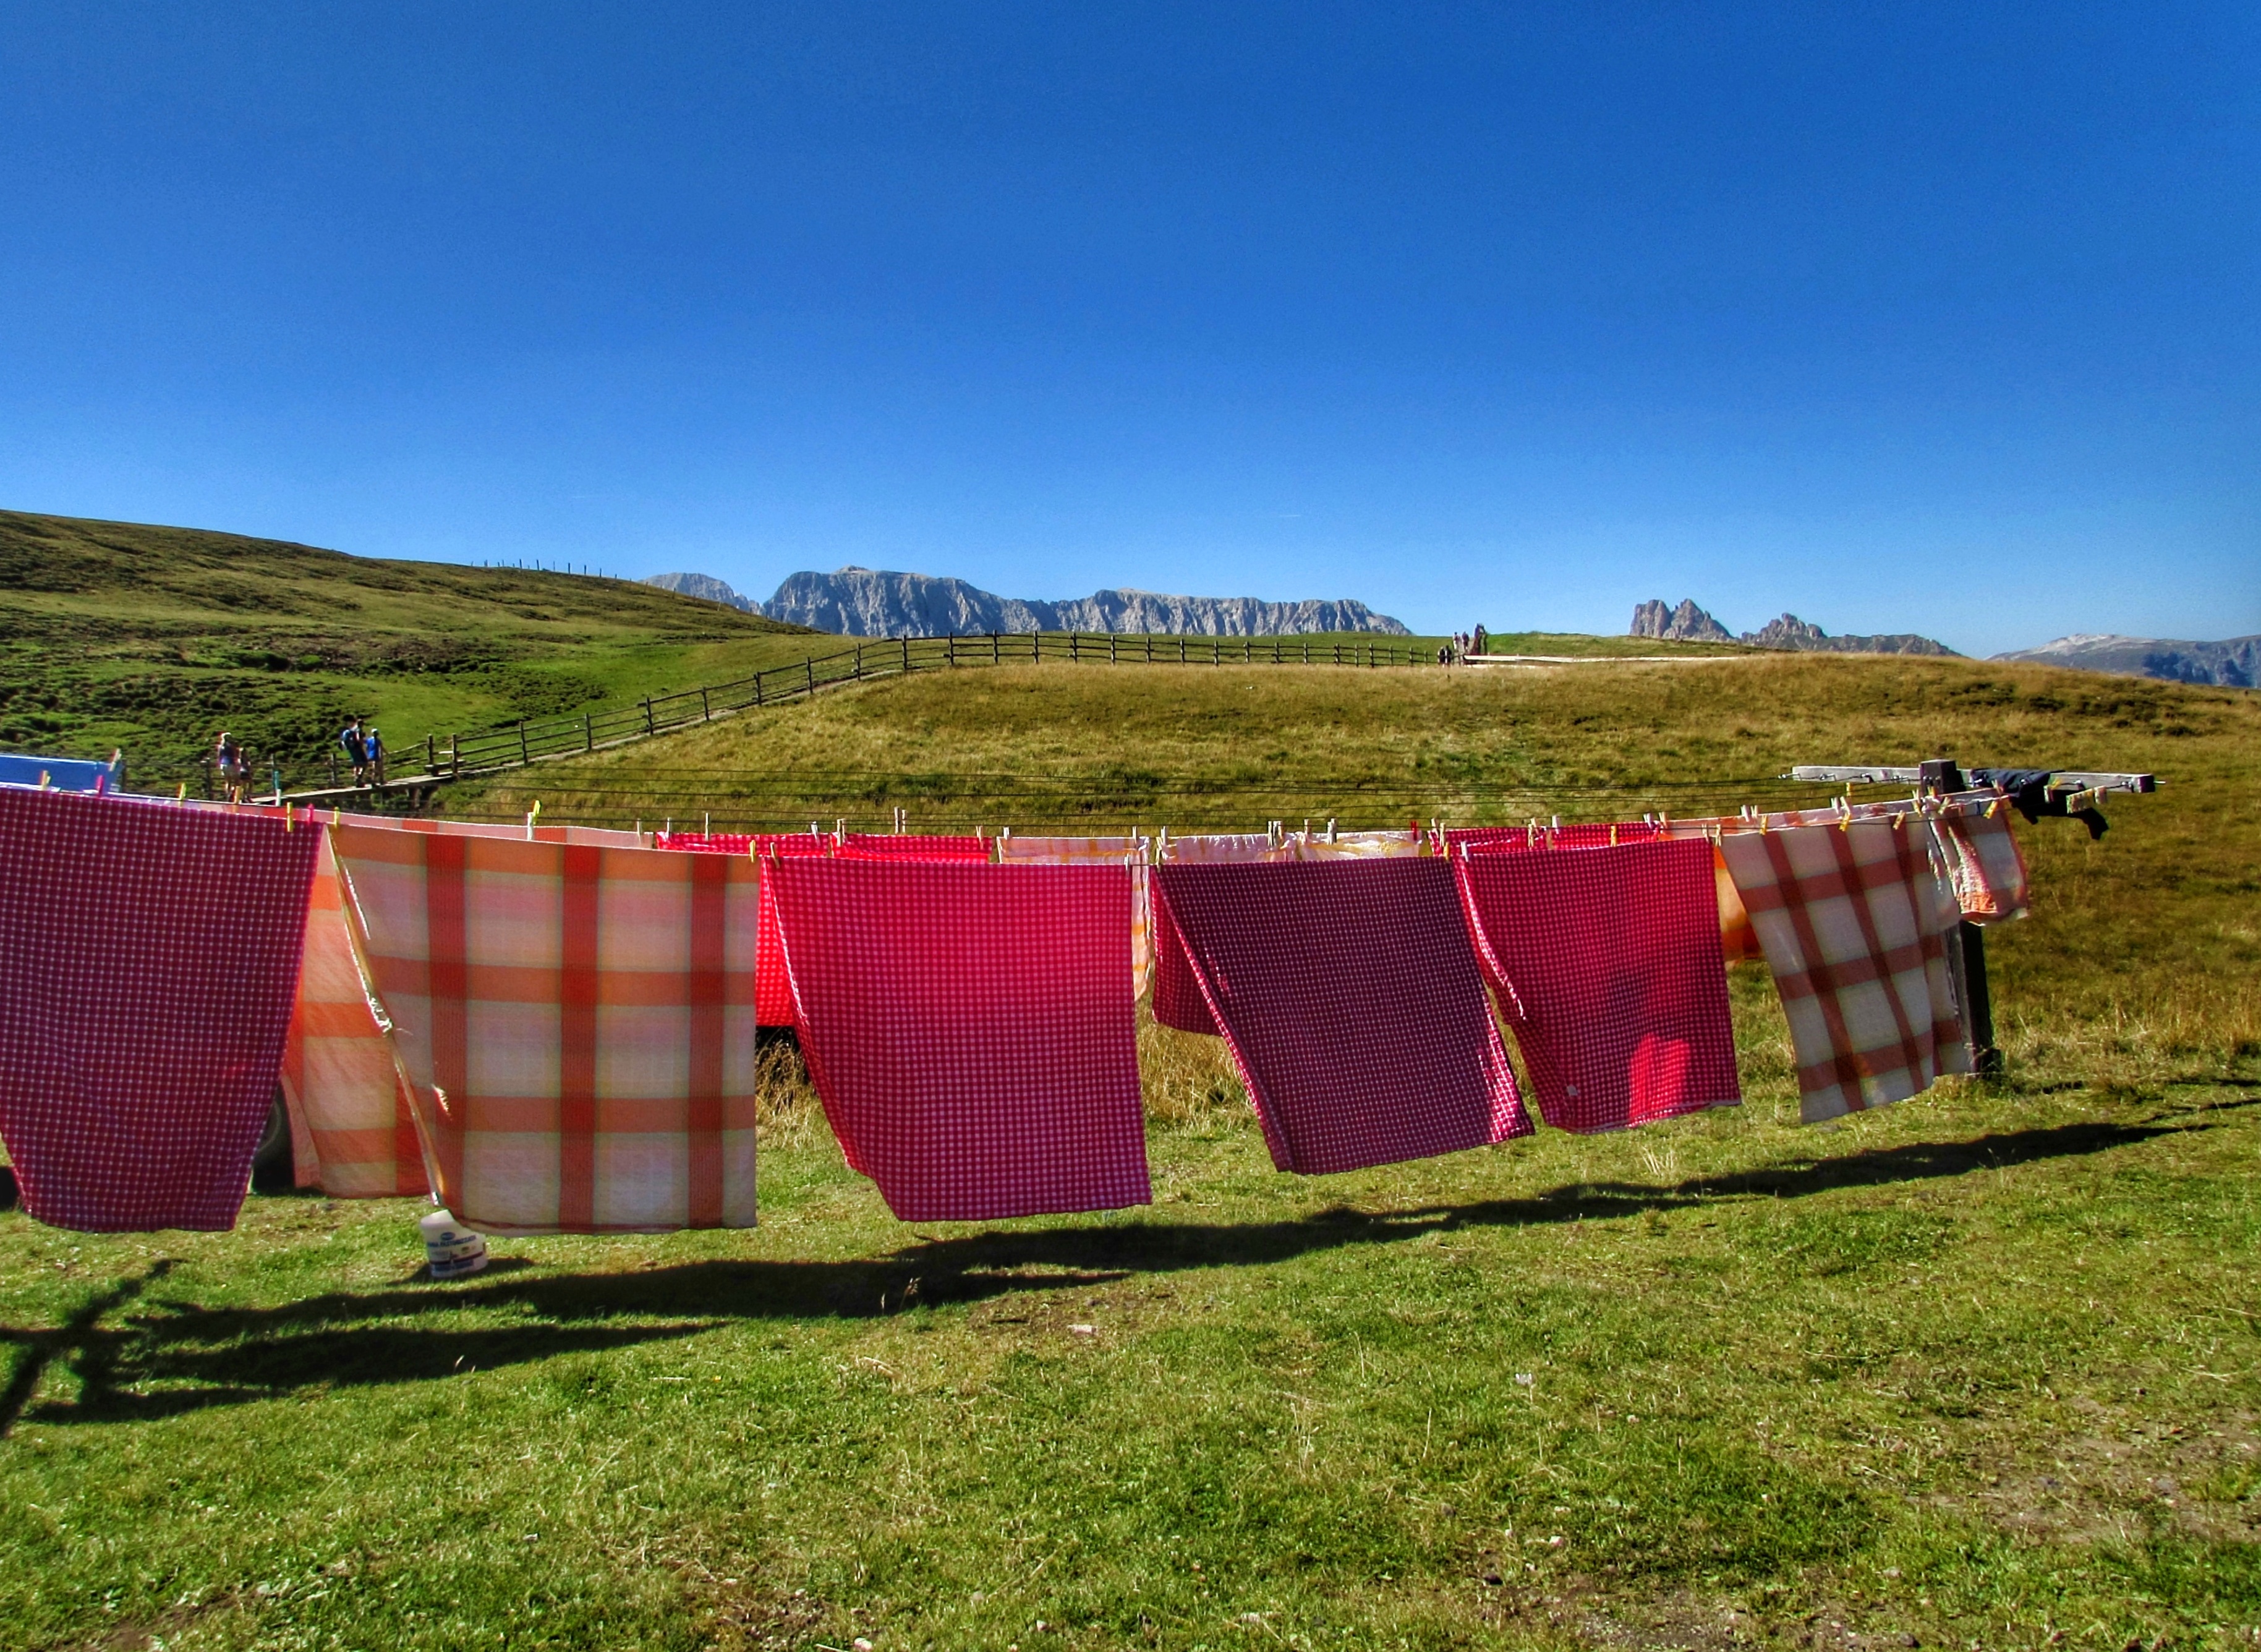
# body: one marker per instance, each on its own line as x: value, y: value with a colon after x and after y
x: 1982, y: 1370
x: 114, y: 635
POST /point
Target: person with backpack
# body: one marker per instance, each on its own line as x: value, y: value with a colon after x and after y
x: 373, y: 750
x: 357, y: 748
x: 231, y: 769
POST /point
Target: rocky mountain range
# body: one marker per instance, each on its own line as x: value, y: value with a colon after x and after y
x: 1689, y: 623
x: 706, y: 588
x: 2233, y: 664
x: 867, y: 602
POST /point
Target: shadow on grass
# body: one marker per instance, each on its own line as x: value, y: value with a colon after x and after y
x: 185, y: 1357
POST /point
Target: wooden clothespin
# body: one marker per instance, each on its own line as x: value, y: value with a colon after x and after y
x: 535, y: 813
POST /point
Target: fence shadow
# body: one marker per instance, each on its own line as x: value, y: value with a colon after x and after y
x: 177, y: 1355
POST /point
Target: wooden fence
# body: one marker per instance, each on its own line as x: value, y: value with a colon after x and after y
x: 513, y: 745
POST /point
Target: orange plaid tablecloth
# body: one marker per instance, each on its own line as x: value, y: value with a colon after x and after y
x: 353, y: 1133
x: 1853, y: 919
x: 575, y: 1025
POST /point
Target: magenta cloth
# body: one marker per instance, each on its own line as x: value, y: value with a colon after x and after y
x: 1607, y: 962
x: 773, y: 997
x: 148, y: 964
x: 913, y: 846
x: 1178, y: 1001
x: 971, y: 1030
x: 1348, y: 993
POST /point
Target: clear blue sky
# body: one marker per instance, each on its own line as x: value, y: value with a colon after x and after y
x: 1938, y: 318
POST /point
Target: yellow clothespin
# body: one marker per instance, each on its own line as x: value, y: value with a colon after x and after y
x: 1613, y: 834
x: 533, y: 814
x: 290, y: 818
x: 182, y: 796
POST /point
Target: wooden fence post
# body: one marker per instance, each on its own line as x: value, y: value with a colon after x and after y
x: 907, y: 656
x: 524, y: 757
x: 705, y: 711
x: 431, y: 756
x: 588, y: 732
x: 859, y: 662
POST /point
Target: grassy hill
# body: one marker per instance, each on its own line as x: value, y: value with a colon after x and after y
x: 153, y: 639
x: 1981, y: 1370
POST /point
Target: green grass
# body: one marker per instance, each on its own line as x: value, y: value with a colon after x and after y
x: 114, y: 635
x: 1982, y: 1369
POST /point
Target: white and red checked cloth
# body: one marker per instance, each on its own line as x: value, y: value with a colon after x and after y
x: 1607, y: 963
x: 971, y: 1030
x: 575, y: 1025
x: 353, y: 1132
x: 1309, y: 845
x: 148, y: 959
x: 1853, y: 919
x: 1578, y: 835
x: 1348, y: 993
x: 1979, y: 850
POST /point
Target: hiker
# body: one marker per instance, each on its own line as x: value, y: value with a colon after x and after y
x: 356, y: 748
x: 230, y: 767
x: 1476, y: 641
x: 373, y: 749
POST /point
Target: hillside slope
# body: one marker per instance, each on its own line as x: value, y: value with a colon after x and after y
x: 153, y: 639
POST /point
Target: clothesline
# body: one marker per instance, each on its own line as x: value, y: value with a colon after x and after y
x: 552, y: 1028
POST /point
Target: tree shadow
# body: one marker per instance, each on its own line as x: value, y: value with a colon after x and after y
x: 179, y: 1355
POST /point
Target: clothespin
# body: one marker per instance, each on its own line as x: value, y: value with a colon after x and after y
x: 1613, y: 834
x: 840, y: 831
x: 532, y: 815
x: 183, y: 795
x: 290, y: 823
x: 1330, y: 828
x: 1554, y: 824
x: 43, y: 781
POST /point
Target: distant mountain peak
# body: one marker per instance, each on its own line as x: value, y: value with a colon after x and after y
x: 2233, y: 664
x: 706, y: 587
x: 1689, y: 623
x: 885, y: 602
x: 1686, y: 624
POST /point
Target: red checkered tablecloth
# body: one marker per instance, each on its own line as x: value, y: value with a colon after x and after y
x: 1853, y: 919
x: 148, y: 960
x: 1349, y: 995
x: 971, y: 1030
x: 1607, y: 962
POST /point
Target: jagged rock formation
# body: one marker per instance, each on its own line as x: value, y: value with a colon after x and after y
x: 2234, y: 663
x: 863, y: 602
x: 1790, y: 632
x: 1686, y: 624
x: 1689, y: 623
x: 706, y: 587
